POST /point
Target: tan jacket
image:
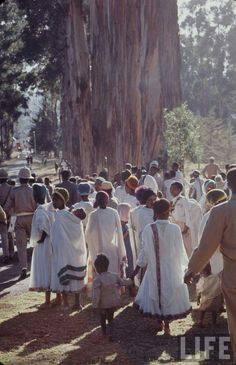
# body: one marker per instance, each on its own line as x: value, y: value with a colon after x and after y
x: 220, y: 231
x: 211, y: 170
x: 106, y: 290
x: 4, y: 193
x: 21, y: 200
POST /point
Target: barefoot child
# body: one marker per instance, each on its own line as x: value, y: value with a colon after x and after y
x: 106, y: 294
x: 210, y: 297
x: 69, y: 249
x: 40, y: 276
x: 162, y: 293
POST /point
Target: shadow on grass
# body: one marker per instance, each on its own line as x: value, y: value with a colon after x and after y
x: 135, y: 339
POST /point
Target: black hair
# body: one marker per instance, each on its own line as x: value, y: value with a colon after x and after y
x: 146, y: 195
x: 104, y: 174
x: 24, y: 181
x: 177, y: 185
x: 175, y: 164
x: 172, y: 174
x: 101, y: 263
x: 125, y: 175
x: 73, y: 179
x: 65, y: 175
x: 3, y: 180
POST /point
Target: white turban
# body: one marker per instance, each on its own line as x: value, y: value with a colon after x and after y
x: 123, y: 210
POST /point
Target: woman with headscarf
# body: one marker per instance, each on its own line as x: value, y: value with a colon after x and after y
x: 131, y: 185
x: 207, y: 186
x: 104, y: 234
x: 162, y: 293
x: 213, y: 198
x: 69, y: 262
x: 40, y: 239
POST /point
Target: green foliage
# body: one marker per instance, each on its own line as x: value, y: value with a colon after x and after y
x: 208, y: 34
x: 12, y: 97
x: 45, y: 128
x: 182, y: 135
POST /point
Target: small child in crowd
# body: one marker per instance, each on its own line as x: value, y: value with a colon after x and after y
x: 209, y: 295
x: 106, y: 296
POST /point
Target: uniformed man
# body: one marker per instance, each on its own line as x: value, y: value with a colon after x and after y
x: 7, y: 240
x: 21, y: 200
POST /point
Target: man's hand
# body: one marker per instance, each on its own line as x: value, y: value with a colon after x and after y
x: 188, y: 277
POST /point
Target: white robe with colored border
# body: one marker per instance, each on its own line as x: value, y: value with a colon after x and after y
x: 69, y: 253
x: 173, y: 301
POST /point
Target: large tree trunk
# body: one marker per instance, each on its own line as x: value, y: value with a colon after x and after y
x: 135, y: 73
x: 76, y: 128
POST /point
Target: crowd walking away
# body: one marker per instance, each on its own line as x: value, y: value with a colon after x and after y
x: 148, y: 233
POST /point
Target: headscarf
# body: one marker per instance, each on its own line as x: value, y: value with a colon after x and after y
x: 215, y: 197
x: 209, y: 182
x: 123, y: 210
x: 102, y: 199
x: 62, y: 193
x: 40, y: 192
x: 220, y: 184
x: 132, y: 182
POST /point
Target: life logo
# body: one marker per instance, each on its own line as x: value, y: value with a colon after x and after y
x: 200, y: 347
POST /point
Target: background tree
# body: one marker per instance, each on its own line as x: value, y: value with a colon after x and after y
x: 13, y: 100
x: 182, y: 135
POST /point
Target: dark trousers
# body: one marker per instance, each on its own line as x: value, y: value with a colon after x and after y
x: 107, y: 315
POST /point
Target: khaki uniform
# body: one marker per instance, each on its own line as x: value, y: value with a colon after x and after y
x: 220, y: 231
x: 21, y: 200
x: 211, y: 170
x: 7, y: 240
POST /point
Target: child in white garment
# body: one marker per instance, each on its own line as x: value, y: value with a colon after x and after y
x: 209, y: 295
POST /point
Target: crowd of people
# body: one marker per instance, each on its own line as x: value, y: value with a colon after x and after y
x: 149, y: 230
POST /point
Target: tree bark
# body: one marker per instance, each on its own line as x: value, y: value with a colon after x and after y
x: 135, y: 74
x: 76, y: 129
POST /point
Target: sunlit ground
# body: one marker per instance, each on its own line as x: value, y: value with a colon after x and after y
x: 30, y: 335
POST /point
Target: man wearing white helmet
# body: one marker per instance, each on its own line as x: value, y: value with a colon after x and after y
x: 21, y: 200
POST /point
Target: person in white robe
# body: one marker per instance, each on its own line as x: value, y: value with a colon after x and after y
x: 214, y: 197
x: 150, y: 182
x: 169, y: 179
x: 84, y: 190
x: 104, y: 234
x: 69, y: 260
x: 133, y: 224
x: 40, y: 240
x: 120, y: 192
x: 154, y: 171
x: 145, y: 214
x: 208, y: 186
x: 196, y: 188
x: 130, y: 185
x: 187, y: 214
x: 162, y: 293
